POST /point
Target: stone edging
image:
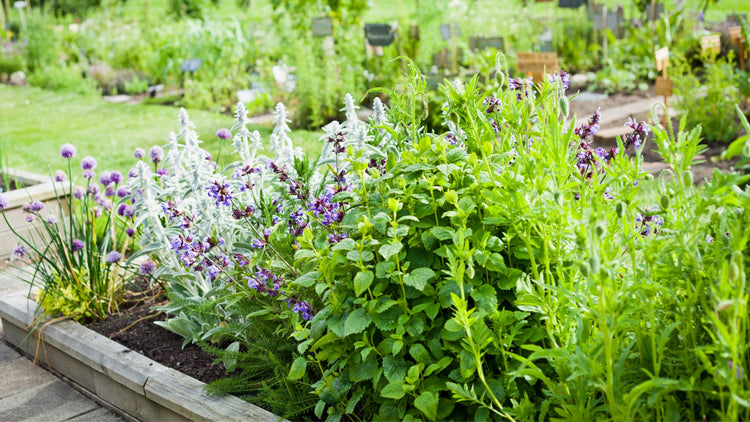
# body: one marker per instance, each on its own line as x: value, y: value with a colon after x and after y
x: 132, y: 383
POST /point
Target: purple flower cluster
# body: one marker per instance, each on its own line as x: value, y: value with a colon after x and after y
x: 649, y: 223
x: 265, y: 282
x: 77, y: 245
x: 139, y: 153
x: 303, y: 308
x: 564, y: 78
x: 60, y: 176
x: 638, y: 135
x: 492, y: 103
x: 322, y: 207
x: 523, y: 86
x: 221, y: 192
x: 296, y: 222
x: 19, y: 251
x: 337, y: 143
x: 67, y: 151
x: 200, y: 255
x: 224, y: 133
x: 147, y: 267
x: 586, y: 131
x: 113, y: 257
x: 156, y: 153
x: 239, y: 214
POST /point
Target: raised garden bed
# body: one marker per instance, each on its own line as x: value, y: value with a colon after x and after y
x: 29, y: 187
x: 139, y: 387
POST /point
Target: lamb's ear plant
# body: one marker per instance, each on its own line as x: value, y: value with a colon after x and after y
x: 76, y: 249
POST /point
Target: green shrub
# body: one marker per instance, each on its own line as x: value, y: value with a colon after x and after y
x: 63, y: 78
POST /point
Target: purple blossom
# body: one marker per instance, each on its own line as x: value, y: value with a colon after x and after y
x: 219, y: 190
x: 303, y: 308
x: 97, y: 212
x: 258, y: 244
x: 586, y: 131
x: 156, y: 153
x: 122, y: 192
x: 88, y: 174
x: 649, y: 223
x: 523, y: 86
x: 94, y: 189
x: 132, y: 173
x: 121, y: 209
x: 67, y: 151
x: 564, y: 79
x: 77, y: 245
x: 4, y: 203
x: 162, y: 172
x: 638, y: 135
x: 147, y: 267
x: 265, y: 282
x: 79, y: 192
x: 60, y: 176
x: 113, y: 257
x: 139, y: 153
x: 109, y: 191
x: 492, y: 103
x: 296, y: 222
x: 115, y: 177
x: 335, y: 238
x: 224, y: 133
x: 130, y: 231
x: 322, y: 207
x: 36, y: 206
x: 104, y: 178
x: 88, y: 163
x: 51, y: 219
x: 19, y: 251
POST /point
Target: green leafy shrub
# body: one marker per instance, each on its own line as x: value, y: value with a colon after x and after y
x: 63, y: 78
x: 711, y: 98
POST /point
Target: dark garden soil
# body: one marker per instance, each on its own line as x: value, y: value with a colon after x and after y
x: 134, y: 328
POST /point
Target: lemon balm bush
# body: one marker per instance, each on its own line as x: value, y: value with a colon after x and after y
x: 76, y: 250
x: 502, y: 269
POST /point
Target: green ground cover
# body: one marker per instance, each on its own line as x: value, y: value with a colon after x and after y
x: 34, y: 123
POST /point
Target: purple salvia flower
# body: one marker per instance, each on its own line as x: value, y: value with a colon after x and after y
x: 113, y: 257
x: 304, y: 309
x: 224, y: 133
x: 60, y: 176
x: 156, y: 153
x: 586, y: 131
x: 139, y: 153
x: 638, y: 135
x: 219, y: 190
x: 564, y: 79
x: 67, y: 151
x: 88, y: 163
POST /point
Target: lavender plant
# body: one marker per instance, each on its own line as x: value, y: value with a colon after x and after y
x: 77, y: 249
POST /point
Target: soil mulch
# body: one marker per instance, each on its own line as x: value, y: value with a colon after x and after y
x: 134, y: 328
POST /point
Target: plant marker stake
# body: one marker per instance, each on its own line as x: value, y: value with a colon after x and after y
x: 662, y: 62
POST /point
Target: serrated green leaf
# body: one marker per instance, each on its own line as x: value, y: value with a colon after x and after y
x: 388, y: 250
x: 419, y: 353
x: 419, y: 278
x: 442, y: 233
x: 307, y: 279
x: 303, y: 253
x: 427, y: 403
x: 394, y: 390
x: 438, y: 366
x: 362, y: 281
x: 298, y: 369
x: 485, y: 297
x: 357, y: 322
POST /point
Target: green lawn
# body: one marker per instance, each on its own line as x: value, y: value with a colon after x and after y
x: 34, y: 124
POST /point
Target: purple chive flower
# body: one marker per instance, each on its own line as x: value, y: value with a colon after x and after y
x: 113, y: 257
x: 162, y: 172
x: 139, y: 153
x: 224, y: 133
x: 109, y: 191
x: 115, y: 177
x: 4, y: 203
x: 79, y: 192
x: 29, y: 218
x: 97, y: 212
x: 147, y: 267
x: 51, y: 219
x: 67, y: 151
x: 121, y: 209
x: 60, y: 176
x: 94, y: 189
x: 122, y: 192
x: 88, y: 174
x: 19, y: 251
x: 130, y: 231
x: 77, y: 245
x: 156, y: 153
x: 132, y: 173
x: 36, y: 206
x: 88, y: 163
x: 104, y: 178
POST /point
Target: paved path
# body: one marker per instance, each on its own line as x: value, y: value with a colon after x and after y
x: 30, y: 393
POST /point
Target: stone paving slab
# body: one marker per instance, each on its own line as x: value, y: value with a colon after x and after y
x: 6, y: 353
x: 51, y: 402
x: 98, y: 415
x: 24, y: 374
